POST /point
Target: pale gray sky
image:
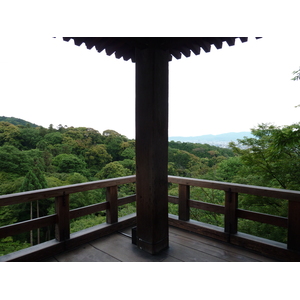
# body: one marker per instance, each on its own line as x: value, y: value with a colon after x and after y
x: 228, y: 90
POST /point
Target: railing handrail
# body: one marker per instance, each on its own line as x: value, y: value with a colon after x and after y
x: 238, y: 188
x: 40, y: 194
x: 22, y: 197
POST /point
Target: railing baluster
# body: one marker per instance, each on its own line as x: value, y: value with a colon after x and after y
x: 184, y: 207
x: 293, y: 242
x: 62, y: 228
x: 112, y: 199
x: 231, y: 204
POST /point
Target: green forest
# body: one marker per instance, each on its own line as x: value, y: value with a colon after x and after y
x: 33, y: 157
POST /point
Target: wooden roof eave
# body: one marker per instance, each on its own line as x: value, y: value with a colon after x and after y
x: 125, y: 47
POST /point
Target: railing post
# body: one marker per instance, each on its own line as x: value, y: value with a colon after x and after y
x: 62, y: 228
x: 112, y: 199
x: 293, y: 242
x: 184, y: 207
x: 231, y: 204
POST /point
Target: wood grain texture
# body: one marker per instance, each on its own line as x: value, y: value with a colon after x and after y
x: 62, y: 227
x: 263, y: 218
x: 59, y: 191
x: 294, y: 226
x: 152, y: 149
x: 26, y: 226
x: 112, y: 200
x: 231, y: 204
x: 184, y: 246
x: 184, y: 207
x: 54, y: 247
x: 238, y: 188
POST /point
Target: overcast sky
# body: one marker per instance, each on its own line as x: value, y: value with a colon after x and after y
x: 49, y: 81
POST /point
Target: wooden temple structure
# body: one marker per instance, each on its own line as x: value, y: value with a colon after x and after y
x: 151, y: 56
x: 152, y: 228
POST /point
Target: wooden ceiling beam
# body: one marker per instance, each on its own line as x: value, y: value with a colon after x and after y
x: 113, y: 47
x: 243, y: 39
x: 118, y: 53
x: 176, y: 53
x: 125, y: 47
x: 90, y: 42
x: 217, y: 42
x: 79, y: 41
x: 185, y: 51
x: 103, y: 43
x: 204, y: 44
x: 195, y: 48
x: 130, y: 53
x: 230, y: 41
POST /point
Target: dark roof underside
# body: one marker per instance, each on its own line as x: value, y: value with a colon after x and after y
x: 177, y: 46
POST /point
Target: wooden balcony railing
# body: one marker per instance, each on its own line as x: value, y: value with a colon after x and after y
x: 286, y: 252
x: 61, y: 219
x: 229, y: 233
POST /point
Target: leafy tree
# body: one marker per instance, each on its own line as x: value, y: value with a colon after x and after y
x: 113, y: 170
x: 7, y: 216
x: 227, y: 170
x: 61, y: 128
x: 9, y: 134
x: 297, y: 75
x: 30, y: 182
x: 51, y: 128
x: 86, y: 222
x: 29, y: 137
x: 116, y: 169
x: 97, y: 157
x: 128, y: 153
x: 111, y: 133
x: 183, y: 161
x: 114, y: 147
x: 128, y: 164
x: 116, y: 144
x: 53, y: 138
x: 272, y: 154
x: 68, y: 163
x: 17, y: 121
x: 34, y: 180
x: 270, y: 159
x: 76, y: 178
x: 89, y: 135
x: 55, y: 143
x: 8, y: 245
x: 12, y: 160
x: 10, y: 183
x: 53, y: 181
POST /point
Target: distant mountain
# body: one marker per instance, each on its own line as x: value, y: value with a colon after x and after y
x: 220, y: 140
x: 17, y: 121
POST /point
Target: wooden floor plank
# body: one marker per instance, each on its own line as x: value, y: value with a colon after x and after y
x: 121, y: 247
x: 85, y: 253
x: 222, y: 250
x: 220, y: 253
x: 183, y: 247
x: 187, y: 254
x: 172, y: 259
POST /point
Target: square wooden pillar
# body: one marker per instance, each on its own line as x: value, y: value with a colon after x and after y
x: 152, y: 149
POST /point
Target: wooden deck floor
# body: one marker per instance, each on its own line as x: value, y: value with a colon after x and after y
x: 183, y: 247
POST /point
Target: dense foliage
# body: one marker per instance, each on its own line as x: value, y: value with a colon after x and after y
x: 270, y: 158
x: 34, y: 157
x: 17, y: 121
